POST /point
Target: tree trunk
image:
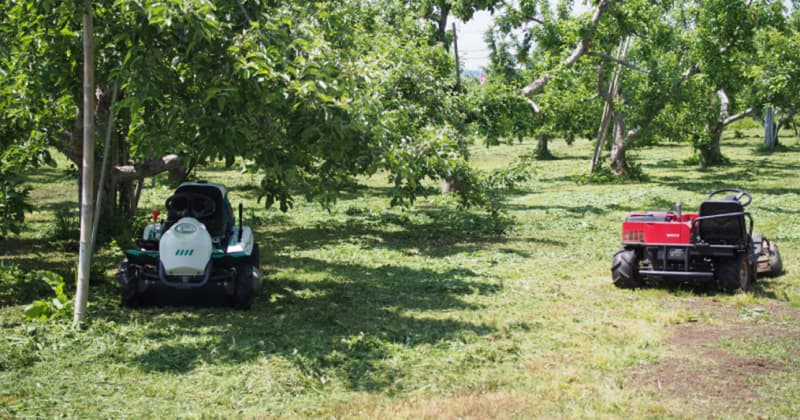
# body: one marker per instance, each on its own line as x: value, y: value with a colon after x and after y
x: 542, y: 150
x: 177, y: 174
x: 441, y: 24
x: 448, y: 186
x: 711, y: 153
x: 782, y: 122
x: 608, y: 108
x: 119, y: 185
x: 125, y: 175
x: 619, y: 163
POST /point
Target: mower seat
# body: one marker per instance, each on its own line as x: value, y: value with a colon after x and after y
x: 216, y: 223
x: 722, y: 222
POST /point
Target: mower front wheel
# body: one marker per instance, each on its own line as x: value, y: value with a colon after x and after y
x: 625, y: 270
x: 245, y: 285
x: 734, y: 274
x: 128, y: 278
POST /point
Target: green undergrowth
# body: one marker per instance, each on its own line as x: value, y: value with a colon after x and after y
x: 369, y: 310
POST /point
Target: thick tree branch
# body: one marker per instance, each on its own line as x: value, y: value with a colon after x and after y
x: 536, y: 20
x: 533, y: 105
x: 733, y: 118
x: 724, y: 104
x: 579, y: 50
x: 146, y: 169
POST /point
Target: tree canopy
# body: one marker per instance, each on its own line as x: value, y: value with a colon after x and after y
x: 306, y: 95
x: 309, y: 95
x: 664, y: 70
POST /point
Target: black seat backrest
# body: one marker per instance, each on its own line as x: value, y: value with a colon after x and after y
x: 728, y: 228
x: 216, y: 222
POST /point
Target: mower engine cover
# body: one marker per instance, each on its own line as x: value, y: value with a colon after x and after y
x: 185, y: 248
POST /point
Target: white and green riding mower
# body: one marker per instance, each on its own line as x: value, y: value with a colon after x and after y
x: 197, y: 251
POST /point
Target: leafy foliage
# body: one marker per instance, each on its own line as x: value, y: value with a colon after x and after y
x: 58, y: 306
x: 19, y: 286
x: 306, y: 95
x: 681, y: 56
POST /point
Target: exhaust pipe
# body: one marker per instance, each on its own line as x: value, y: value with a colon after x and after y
x: 241, y: 208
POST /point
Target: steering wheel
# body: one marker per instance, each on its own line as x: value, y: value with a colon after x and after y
x: 191, y: 204
x: 739, y: 194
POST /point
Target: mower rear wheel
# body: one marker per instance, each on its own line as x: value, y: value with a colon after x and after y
x: 128, y: 278
x: 734, y: 274
x: 625, y: 270
x: 245, y: 280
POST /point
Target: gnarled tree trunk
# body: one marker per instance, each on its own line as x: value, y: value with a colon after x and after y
x: 618, y: 161
x: 710, y: 153
x: 125, y: 179
x: 542, y: 149
x: 784, y: 121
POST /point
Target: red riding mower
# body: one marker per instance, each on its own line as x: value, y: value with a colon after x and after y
x: 717, y: 244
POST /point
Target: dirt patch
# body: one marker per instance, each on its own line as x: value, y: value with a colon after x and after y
x: 702, y: 376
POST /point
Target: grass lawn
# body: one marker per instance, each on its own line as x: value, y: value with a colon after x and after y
x: 370, y: 311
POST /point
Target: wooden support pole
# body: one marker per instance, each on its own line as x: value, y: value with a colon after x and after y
x: 87, y: 179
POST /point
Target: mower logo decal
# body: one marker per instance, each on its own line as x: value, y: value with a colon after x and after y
x: 184, y: 252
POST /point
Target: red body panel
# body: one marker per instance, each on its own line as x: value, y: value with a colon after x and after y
x: 658, y: 228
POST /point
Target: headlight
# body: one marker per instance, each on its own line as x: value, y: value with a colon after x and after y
x: 185, y: 228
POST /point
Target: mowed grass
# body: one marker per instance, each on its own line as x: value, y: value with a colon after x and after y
x: 427, y: 312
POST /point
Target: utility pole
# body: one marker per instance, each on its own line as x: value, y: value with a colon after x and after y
x: 87, y: 190
x: 458, y: 65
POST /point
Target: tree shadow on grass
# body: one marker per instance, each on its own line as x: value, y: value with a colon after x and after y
x: 334, y: 318
x: 64, y: 206
x: 30, y: 254
x: 432, y: 231
x: 53, y: 175
x: 666, y: 164
x: 344, y: 324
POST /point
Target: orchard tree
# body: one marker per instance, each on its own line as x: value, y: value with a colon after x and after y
x: 650, y: 57
x: 775, y: 75
x: 305, y: 94
x: 514, y: 58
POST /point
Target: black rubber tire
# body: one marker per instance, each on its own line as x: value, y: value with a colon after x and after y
x: 255, y: 257
x: 775, y: 262
x: 128, y: 278
x: 734, y: 274
x: 625, y: 270
x: 243, y: 297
